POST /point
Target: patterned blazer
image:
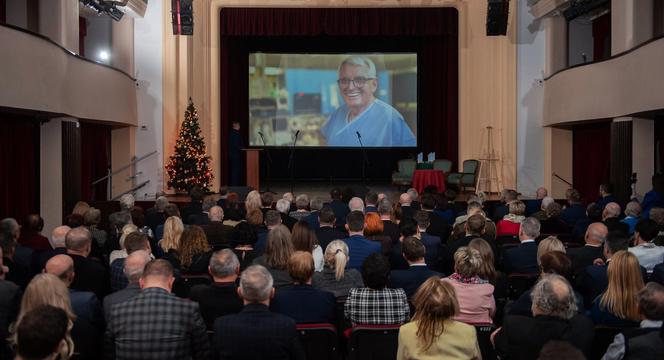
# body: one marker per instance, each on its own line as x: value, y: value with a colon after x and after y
x: 156, y: 325
x: 366, y: 306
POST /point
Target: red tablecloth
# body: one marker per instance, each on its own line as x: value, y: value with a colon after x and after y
x: 424, y: 178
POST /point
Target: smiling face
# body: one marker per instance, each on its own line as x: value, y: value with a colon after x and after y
x: 356, y: 97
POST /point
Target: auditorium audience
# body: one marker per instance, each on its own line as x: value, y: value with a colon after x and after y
x: 551, y: 243
x: 523, y: 258
x: 169, y: 210
x: 502, y: 209
x: 91, y: 274
x: 376, y: 304
x: 475, y: 294
x: 217, y: 233
x: 585, y: 255
x: 541, y: 213
x: 195, y: 207
x: 156, y: 216
x: 252, y: 201
x: 118, y: 219
x: 371, y: 202
x: 133, y: 267
x: 555, y: 317
x: 244, y: 240
x: 535, y: 205
x: 356, y: 204
x: 617, y: 305
x: 553, y: 224
x: 474, y: 227
x: 373, y: 230
x: 301, y: 203
x: 43, y: 333
x: 203, y: 217
x: 649, y: 254
x: 418, y: 271
x: 57, y: 241
x: 433, y: 333
x: 605, y: 196
x: 407, y: 228
x: 611, y: 218
x: 283, y: 207
x: 646, y: 342
x: 359, y: 247
x: 277, y: 253
x: 195, y: 253
x: 219, y: 298
x: 390, y: 227
x: 255, y: 332
x: 655, y: 197
x: 91, y: 220
x: 431, y: 242
x: 315, y: 205
x: 272, y: 219
x: 170, y: 243
x: 510, y: 223
x: 81, y: 207
x: 17, y: 258
x: 267, y: 199
x: 233, y: 211
x: 134, y: 242
x: 406, y: 206
x: 304, y: 239
x: 301, y: 301
x: 335, y: 278
x: 31, y: 236
x: 339, y: 207
x: 574, y: 210
x: 10, y: 300
x: 488, y: 270
x: 122, y: 253
x: 632, y: 215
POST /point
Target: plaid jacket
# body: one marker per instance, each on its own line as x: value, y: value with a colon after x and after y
x: 377, y: 307
x: 156, y: 325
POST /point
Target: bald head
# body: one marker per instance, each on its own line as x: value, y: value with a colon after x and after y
x: 216, y: 213
x: 356, y: 204
x: 611, y: 210
x: 78, y: 241
x: 61, y: 266
x: 135, y: 264
x: 58, y: 235
x: 553, y: 296
x: 405, y: 199
x: 596, y: 234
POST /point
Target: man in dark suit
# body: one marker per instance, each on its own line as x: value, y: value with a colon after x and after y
x: 218, y: 234
x: 133, y: 268
x: 283, y: 207
x: 57, y: 241
x: 535, y: 205
x: 339, y: 207
x: 432, y: 243
x: 195, y: 206
x: 611, y: 218
x: 155, y: 323
x: 407, y: 228
x: 438, y: 226
x: 554, y: 318
x: 390, y: 228
x: 327, y: 233
x: 658, y: 273
x: 155, y: 216
x: 203, y: 217
x: 272, y: 220
x: 474, y: 228
x: 523, y: 258
x: 91, y: 275
x: 585, y: 255
x: 359, y: 247
x: 256, y: 333
x: 407, y: 208
x: 502, y: 209
x: 235, y: 158
x: 606, y: 196
x: 315, y: 205
x: 370, y: 202
x: 301, y: 301
x: 418, y: 272
x: 219, y: 298
x: 574, y: 210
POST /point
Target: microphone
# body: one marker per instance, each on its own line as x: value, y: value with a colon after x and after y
x: 358, y: 135
x: 260, y: 133
x: 297, y: 133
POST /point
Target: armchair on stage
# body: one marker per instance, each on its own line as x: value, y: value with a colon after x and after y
x: 467, y: 178
x: 404, y: 175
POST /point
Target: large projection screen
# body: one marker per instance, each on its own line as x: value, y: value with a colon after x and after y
x: 333, y: 100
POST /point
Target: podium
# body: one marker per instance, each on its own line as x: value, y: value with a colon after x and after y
x: 253, y: 168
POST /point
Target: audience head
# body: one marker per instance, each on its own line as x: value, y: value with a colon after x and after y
x: 208, y: 203
x: 651, y: 301
x: 414, y: 195
x: 301, y: 267
x: 253, y: 201
x: 487, y: 270
x: 646, y: 230
x: 255, y: 217
x: 43, y: 333
x: 216, y: 213
x: 435, y: 302
x: 92, y: 217
x: 553, y: 210
x: 316, y: 204
x: 256, y: 285
x: 137, y: 217
x: 541, y: 193
x: 126, y: 230
x: 11, y: 226
x: 283, y: 206
x: 473, y: 206
x: 517, y: 207
x: 375, y: 271
x: 34, y: 223
x: 81, y: 207
x: 58, y: 236
x: 405, y: 199
x: 157, y: 273
x: 553, y: 296
x: 224, y: 264
x: 467, y: 262
x: 160, y: 203
x: 173, y: 228
x: 612, y: 210
x: 657, y: 214
x: 244, y: 234
x: 508, y: 195
x: 633, y: 209
x: 289, y: 197
x: 326, y: 216
x: 356, y: 204
x: 196, y: 193
x: 551, y: 243
x: 475, y: 225
x: 267, y: 198
x: 384, y: 208
x: 193, y: 242
x: 272, y: 218
x: 373, y: 224
x: 79, y: 241
x: 625, y: 281
x: 336, y: 257
x: 371, y: 198
x: 302, y: 201
x: 596, y: 234
x: 615, y: 241
x: 422, y: 219
x: 171, y: 210
x: 407, y: 227
x: 135, y: 264
x: 61, y: 266
x: 546, y: 201
x: 428, y: 202
x: 573, y: 196
x: 530, y: 229
x: 556, y: 262
x: 126, y: 202
x: 413, y: 250
x: 605, y: 189
x: 279, y: 248
x: 303, y: 237
x: 355, y: 222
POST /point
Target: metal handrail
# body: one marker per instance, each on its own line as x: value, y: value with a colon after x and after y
x: 111, y: 173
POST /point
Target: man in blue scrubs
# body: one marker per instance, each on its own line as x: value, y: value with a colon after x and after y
x: 378, y: 123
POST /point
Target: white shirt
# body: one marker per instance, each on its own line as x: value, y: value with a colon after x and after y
x: 649, y: 255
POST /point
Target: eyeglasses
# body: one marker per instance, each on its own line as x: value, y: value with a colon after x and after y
x: 359, y: 82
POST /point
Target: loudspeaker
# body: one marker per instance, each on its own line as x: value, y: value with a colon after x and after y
x: 182, y: 13
x: 496, y: 17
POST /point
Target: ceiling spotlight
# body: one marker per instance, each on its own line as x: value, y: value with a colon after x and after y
x: 103, y: 55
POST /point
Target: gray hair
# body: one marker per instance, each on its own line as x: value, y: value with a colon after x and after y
x: 546, y: 201
x: 553, y: 296
x: 256, y: 283
x: 272, y: 218
x: 356, y: 204
x: 135, y: 264
x: 302, y: 201
x: 224, y: 263
x: 216, y: 213
x: 127, y: 201
x: 283, y: 206
x: 414, y: 195
x: 316, y: 203
x: 633, y: 209
x: 208, y: 203
x: 384, y: 207
x: 11, y: 224
x: 531, y: 227
x: 161, y: 203
x: 92, y: 216
x: 357, y: 60
x: 78, y: 238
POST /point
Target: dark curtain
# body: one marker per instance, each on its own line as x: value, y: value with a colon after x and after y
x: 95, y: 159
x: 602, y: 37
x: 19, y: 167
x: 431, y: 32
x: 591, y: 162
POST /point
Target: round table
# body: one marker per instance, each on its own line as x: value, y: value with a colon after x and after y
x: 424, y: 178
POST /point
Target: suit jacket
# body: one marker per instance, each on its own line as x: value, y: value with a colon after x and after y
x: 499, y: 212
x: 119, y: 297
x: 411, y: 279
x: 193, y: 208
x: 10, y: 303
x: 438, y: 226
x: 601, y: 203
x: 584, y: 256
x: 288, y: 221
x: 572, y: 214
x: 256, y: 333
x: 90, y: 276
x: 198, y: 219
x: 614, y: 224
x: 407, y: 212
x: 522, y: 259
x: 215, y: 300
x: 340, y: 210
x: 397, y: 261
x: 391, y: 229
x: 156, y: 325
x: 218, y: 234
x: 304, y: 304
x: 533, y: 206
x: 41, y: 257
x: 658, y: 273
x: 523, y: 337
x: 434, y: 254
x: 328, y: 234
x: 86, y: 306
x: 154, y: 219
x: 370, y: 209
x: 359, y: 248
x: 312, y: 219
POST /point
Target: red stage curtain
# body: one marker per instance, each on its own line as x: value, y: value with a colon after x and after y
x: 433, y: 32
x: 95, y: 159
x: 591, y: 162
x: 19, y: 167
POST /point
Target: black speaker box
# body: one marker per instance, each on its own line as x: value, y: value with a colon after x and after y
x: 496, y: 17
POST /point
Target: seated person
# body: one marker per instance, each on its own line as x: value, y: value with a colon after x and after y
x: 617, y: 305
x: 553, y: 224
x: 475, y: 295
x: 555, y: 317
x: 43, y: 333
x: 278, y: 251
x: 301, y: 301
x: 646, y: 251
x: 511, y: 223
x: 647, y: 341
x: 574, y: 211
x: 414, y: 252
x: 376, y: 304
x: 523, y: 258
x: 584, y: 256
x: 335, y: 278
x: 195, y: 251
x: 432, y: 243
x: 433, y: 333
x: 632, y: 215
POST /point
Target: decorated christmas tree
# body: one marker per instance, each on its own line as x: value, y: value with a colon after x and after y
x: 189, y: 165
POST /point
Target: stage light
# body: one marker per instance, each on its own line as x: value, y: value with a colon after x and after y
x: 103, y: 55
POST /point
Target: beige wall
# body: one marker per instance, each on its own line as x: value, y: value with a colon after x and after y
x: 643, y: 154
x: 123, y: 149
x: 50, y: 170
x: 487, y: 75
x: 557, y: 160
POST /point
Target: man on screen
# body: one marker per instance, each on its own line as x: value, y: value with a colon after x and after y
x: 378, y: 123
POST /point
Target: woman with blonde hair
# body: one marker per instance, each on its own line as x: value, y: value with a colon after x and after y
x: 170, y: 243
x: 304, y: 239
x: 433, y: 333
x: 277, y: 253
x: 618, y: 305
x: 253, y: 201
x: 474, y: 293
x: 335, y: 277
x: 80, y: 208
x: 194, y: 251
x: 547, y: 245
x: 122, y: 253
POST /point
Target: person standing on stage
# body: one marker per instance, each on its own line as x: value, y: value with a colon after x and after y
x: 235, y: 146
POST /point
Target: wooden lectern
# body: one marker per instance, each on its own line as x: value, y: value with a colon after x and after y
x: 253, y: 168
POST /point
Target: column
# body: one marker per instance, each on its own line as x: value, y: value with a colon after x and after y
x: 555, y: 27
x: 621, y: 157
x: 643, y: 153
x: 557, y: 160
x: 631, y: 24
x: 50, y: 170
x: 58, y: 20
x: 122, y: 44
